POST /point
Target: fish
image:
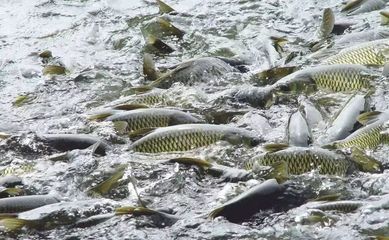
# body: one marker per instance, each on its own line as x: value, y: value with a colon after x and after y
x: 353, y: 7
x: 269, y: 194
x: 368, y: 53
x: 186, y: 137
x: 66, y: 142
x: 262, y: 97
x: 58, y: 214
x: 343, y: 206
x: 338, y: 78
x: 312, y: 112
x: 369, y: 136
x: 345, y: 121
x: 149, y: 118
x: 243, y: 206
x: 25, y: 203
x: 364, y: 36
x: 192, y: 71
x: 299, y: 160
x: 298, y: 133
x: 143, y: 100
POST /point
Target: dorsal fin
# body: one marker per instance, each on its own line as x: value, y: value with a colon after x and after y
x: 275, y: 147
x: 368, y: 117
x: 164, y: 8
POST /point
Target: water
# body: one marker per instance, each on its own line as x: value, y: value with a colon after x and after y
x: 101, y: 45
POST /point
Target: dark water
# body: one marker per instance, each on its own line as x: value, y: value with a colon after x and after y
x: 101, y: 45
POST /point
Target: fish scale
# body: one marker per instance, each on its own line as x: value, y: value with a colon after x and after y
x: 301, y: 160
x: 367, y: 137
x: 189, y: 136
x: 336, y: 80
x: 370, y: 53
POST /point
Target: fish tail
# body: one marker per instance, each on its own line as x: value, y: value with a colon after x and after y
x: 12, y: 224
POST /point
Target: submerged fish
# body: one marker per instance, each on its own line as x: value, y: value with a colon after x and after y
x: 66, y: 142
x: 364, y: 36
x: 361, y: 6
x: 299, y: 160
x: 25, y: 203
x: 344, y: 206
x: 195, y: 70
x: 57, y: 214
x: 346, y: 120
x: 143, y: 100
x: 190, y: 136
x: 369, y: 136
x: 369, y: 53
x: 149, y: 118
x: 298, y: 133
x: 268, y: 195
x: 262, y: 97
x: 338, y: 78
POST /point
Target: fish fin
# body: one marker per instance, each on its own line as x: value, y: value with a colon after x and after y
x: 192, y: 161
x: 278, y: 43
x: 149, y: 69
x: 364, y: 162
x: 384, y: 17
x: 141, y: 132
x: 124, y: 210
x: 279, y: 172
x: 169, y: 28
x: 101, y: 115
x: 13, y: 191
x: 108, y: 184
x: 164, y: 8
x: 142, y: 89
x: 368, y: 117
x: 275, y: 147
x: 4, y: 135
x: 159, y: 45
x: 12, y: 224
x: 351, y: 5
x: 133, y: 183
x: 381, y: 237
x: 128, y: 107
x: 330, y: 146
x: 121, y: 127
x: 385, y: 72
x: 216, y: 212
x: 326, y: 197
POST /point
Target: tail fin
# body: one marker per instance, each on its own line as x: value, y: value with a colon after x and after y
x: 368, y: 117
x: 149, y: 69
x: 384, y: 17
x: 12, y: 224
x: 108, y: 184
x: 364, y: 162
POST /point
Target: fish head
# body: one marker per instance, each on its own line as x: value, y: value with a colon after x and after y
x: 242, y: 137
x: 296, y: 86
